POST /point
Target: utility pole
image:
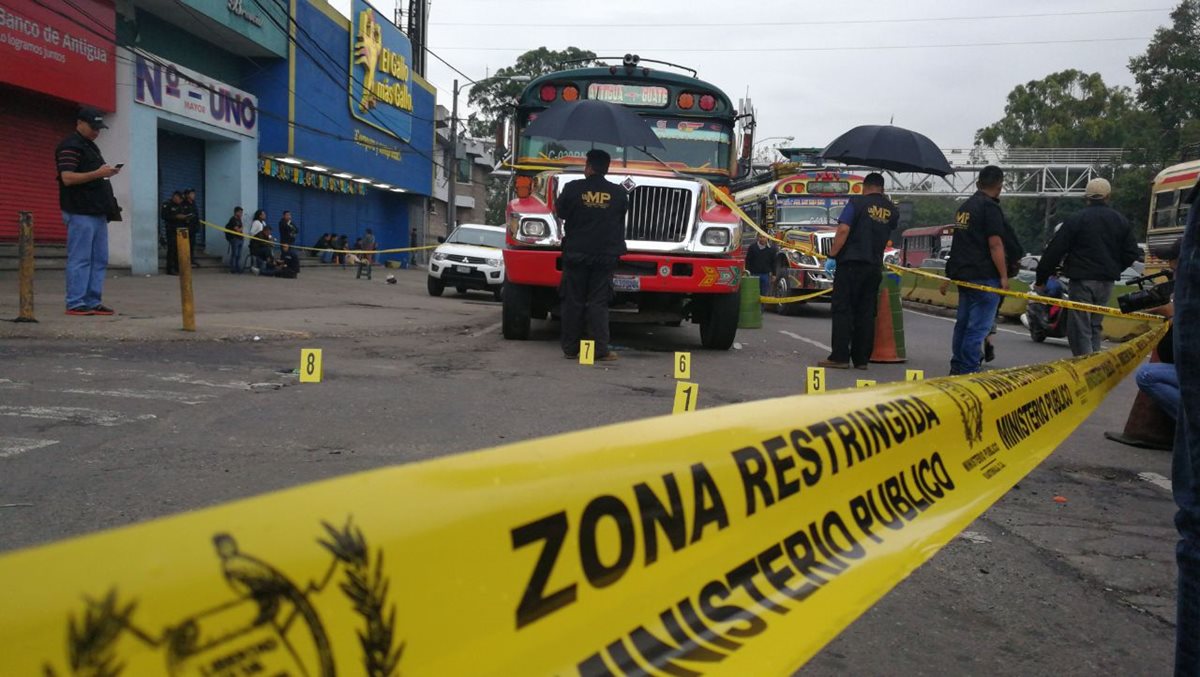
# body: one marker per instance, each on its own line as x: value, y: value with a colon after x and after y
x: 452, y: 166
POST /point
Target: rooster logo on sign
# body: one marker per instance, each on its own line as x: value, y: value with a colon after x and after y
x: 366, y: 52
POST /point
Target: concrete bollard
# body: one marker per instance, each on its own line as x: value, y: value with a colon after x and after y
x: 25, y: 247
x: 183, y: 246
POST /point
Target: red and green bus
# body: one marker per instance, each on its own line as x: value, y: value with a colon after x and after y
x: 683, y: 242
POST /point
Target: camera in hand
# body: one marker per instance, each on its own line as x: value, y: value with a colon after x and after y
x: 1151, y: 296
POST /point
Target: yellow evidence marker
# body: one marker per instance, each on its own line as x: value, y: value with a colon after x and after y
x: 816, y: 380
x: 685, y: 397
x: 587, y: 352
x: 310, y: 365
x: 864, y: 383
x: 683, y: 365
x: 914, y: 375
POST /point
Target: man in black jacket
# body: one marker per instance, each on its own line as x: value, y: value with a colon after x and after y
x: 977, y: 255
x: 761, y: 256
x: 862, y: 234
x: 1098, y: 245
x: 593, y: 211
x: 287, y: 229
x: 86, y: 199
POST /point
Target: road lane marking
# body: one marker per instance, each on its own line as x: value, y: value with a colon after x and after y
x: 185, y: 379
x: 13, y: 446
x: 184, y: 398
x: 80, y: 415
x: 807, y: 340
x: 951, y: 319
x: 486, y: 330
x: 1155, y: 479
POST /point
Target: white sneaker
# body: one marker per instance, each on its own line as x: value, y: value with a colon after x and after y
x: 253, y: 270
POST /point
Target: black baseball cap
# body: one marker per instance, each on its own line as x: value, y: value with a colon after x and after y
x: 93, y: 116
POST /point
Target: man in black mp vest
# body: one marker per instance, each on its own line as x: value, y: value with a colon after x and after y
x: 863, y: 230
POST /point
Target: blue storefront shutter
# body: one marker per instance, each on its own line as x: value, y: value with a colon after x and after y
x: 181, y: 166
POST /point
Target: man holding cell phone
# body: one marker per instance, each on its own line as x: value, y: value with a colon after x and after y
x: 88, y: 204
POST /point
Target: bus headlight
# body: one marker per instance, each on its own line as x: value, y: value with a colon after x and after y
x: 534, y: 228
x: 715, y: 237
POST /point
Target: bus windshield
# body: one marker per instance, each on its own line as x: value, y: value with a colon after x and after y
x: 690, y: 145
x: 807, y: 215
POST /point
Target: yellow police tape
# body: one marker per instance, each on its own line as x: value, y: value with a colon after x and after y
x: 357, y: 252
x: 1036, y: 298
x: 779, y: 300
x: 726, y: 200
x: 735, y: 542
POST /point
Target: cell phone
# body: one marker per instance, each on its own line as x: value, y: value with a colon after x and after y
x: 119, y: 165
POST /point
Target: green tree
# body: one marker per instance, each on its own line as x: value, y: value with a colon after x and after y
x: 493, y: 98
x: 1068, y: 109
x: 1166, y: 78
x: 1073, y: 109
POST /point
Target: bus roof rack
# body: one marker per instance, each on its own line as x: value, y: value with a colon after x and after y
x: 631, y: 61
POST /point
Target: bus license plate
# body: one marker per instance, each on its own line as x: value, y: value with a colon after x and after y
x: 466, y: 270
x: 627, y: 283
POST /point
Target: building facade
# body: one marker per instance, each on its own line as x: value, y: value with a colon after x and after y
x: 272, y: 104
x: 470, y: 166
x: 55, y: 55
x: 184, y: 119
x: 352, y: 148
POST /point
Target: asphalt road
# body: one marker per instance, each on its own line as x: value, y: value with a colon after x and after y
x: 100, y: 434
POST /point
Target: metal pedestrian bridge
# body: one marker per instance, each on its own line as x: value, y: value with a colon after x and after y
x: 1028, y: 172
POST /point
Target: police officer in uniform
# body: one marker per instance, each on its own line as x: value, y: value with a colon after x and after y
x: 977, y: 255
x: 193, y: 222
x: 863, y: 230
x: 593, y: 211
x: 173, y: 217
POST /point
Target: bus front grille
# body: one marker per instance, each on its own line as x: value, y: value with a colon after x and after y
x: 658, y: 214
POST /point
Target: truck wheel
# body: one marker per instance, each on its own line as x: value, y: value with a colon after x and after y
x: 436, y: 286
x: 518, y: 307
x: 719, y: 329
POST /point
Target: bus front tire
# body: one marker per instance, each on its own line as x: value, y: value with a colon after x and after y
x: 517, y: 312
x: 719, y: 328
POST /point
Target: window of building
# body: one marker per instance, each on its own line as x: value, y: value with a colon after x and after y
x: 464, y: 170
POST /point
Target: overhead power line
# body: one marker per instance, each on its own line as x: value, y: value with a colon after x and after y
x: 838, y: 48
x: 834, y: 22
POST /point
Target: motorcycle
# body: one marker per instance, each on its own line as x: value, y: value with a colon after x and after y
x: 1044, y: 320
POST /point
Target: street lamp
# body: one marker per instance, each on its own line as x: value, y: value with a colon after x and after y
x: 451, y: 193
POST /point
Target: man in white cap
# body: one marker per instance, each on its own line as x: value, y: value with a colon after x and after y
x: 1098, y: 246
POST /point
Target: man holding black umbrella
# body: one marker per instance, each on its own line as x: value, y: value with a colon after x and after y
x: 862, y: 235
x: 593, y: 211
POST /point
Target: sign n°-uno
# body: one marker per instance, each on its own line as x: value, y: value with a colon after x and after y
x: 380, y: 80
x: 170, y: 87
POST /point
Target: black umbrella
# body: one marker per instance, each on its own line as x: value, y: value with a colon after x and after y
x: 888, y: 147
x: 595, y: 121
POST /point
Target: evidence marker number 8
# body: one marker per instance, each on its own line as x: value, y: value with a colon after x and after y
x: 310, y: 365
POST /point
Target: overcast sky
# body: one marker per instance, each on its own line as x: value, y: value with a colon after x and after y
x: 842, y: 78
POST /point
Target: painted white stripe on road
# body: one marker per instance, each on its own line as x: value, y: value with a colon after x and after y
x: 807, y: 340
x: 184, y: 398
x: 183, y: 378
x: 486, y: 330
x: 1155, y: 479
x: 12, y: 446
x: 951, y: 319
x: 80, y: 415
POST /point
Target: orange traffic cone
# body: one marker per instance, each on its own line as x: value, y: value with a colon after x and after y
x: 1148, y: 426
x: 889, y: 322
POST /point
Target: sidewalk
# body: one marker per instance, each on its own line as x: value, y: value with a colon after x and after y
x: 321, y: 302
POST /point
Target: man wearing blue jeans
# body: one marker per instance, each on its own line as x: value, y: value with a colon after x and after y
x: 1185, y: 471
x: 977, y: 256
x: 87, y: 203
